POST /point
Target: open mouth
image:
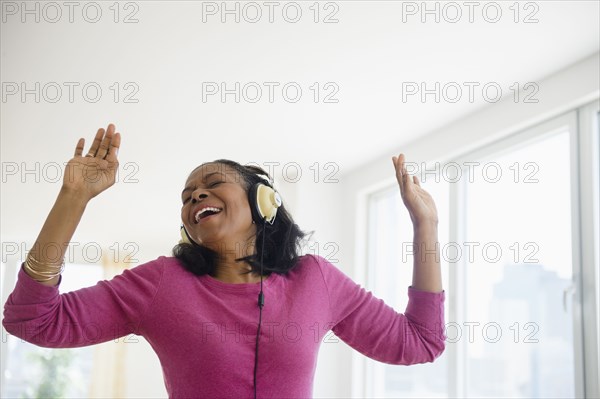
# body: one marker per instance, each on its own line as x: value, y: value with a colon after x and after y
x: 206, y: 213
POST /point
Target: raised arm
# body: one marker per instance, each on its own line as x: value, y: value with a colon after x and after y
x: 372, y: 327
x: 85, y: 177
x: 427, y: 275
x: 35, y: 311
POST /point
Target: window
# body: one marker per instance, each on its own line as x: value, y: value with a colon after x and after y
x: 518, y: 322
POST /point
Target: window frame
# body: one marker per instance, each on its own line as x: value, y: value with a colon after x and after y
x: 588, y: 142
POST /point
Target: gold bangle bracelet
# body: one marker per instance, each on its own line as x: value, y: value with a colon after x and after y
x: 36, y: 276
x: 47, y: 271
x: 37, y: 262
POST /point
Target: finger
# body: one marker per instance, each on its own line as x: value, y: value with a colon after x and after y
x: 96, y: 143
x: 400, y: 171
x: 106, y: 142
x: 416, y: 180
x: 113, y: 151
x: 406, y: 180
x: 79, y: 147
x: 401, y: 162
x: 396, y: 162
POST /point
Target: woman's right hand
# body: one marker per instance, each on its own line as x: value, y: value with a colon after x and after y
x: 93, y: 173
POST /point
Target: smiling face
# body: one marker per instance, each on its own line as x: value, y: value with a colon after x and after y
x: 228, y: 221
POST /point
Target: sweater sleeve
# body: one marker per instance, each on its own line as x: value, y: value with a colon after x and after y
x: 376, y: 330
x: 111, y: 309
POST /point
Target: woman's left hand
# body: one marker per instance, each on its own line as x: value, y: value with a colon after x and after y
x: 419, y: 203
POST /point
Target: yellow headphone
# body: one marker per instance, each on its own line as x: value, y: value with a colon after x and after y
x: 264, y: 202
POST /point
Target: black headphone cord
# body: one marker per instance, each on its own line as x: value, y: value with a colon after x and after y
x: 261, y: 302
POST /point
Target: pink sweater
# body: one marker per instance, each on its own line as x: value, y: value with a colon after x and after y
x: 203, y: 330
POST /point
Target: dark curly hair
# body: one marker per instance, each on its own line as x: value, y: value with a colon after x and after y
x: 282, y: 240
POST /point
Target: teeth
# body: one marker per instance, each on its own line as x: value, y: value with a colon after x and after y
x: 208, y: 208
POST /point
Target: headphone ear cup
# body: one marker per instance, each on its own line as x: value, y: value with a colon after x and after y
x: 264, y: 202
x: 185, y: 237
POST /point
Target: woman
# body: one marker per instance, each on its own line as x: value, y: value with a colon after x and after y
x: 198, y: 308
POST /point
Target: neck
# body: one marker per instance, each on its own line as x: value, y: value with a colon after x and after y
x: 230, y: 271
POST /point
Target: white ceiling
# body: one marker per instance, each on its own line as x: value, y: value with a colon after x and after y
x: 170, y: 52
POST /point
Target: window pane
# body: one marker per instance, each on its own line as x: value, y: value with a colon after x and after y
x: 390, y: 274
x: 520, y: 338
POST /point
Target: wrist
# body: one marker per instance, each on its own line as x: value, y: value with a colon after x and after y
x: 425, y: 225
x: 73, y: 195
